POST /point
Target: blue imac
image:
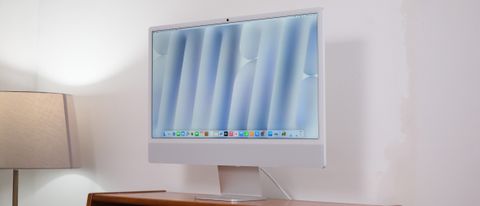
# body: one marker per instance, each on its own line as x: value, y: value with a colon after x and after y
x: 239, y: 93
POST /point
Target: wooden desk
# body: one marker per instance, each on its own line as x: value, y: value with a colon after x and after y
x: 161, y: 198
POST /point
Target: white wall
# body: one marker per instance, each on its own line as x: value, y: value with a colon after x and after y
x: 18, y: 42
x: 385, y: 86
x: 444, y: 57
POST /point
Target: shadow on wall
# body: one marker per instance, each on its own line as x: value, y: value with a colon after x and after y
x: 343, y: 179
x: 45, y: 185
x: 16, y: 79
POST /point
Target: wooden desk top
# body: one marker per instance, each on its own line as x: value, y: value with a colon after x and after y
x: 161, y: 198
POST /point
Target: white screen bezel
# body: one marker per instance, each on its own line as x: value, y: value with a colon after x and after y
x: 217, y: 142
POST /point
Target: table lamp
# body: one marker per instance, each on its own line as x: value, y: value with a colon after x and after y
x: 37, y: 131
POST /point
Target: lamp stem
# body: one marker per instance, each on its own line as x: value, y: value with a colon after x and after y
x: 15, y: 188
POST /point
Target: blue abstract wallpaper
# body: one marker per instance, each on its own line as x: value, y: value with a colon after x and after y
x: 258, y: 75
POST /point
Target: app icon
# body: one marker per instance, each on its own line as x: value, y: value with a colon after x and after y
x: 225, y: 133
x: 262, y: 133
x: 245, y: 133
x: 230, y: 134
x: 252, y: 133
x: 241, y: 134
x: 270, y: 133
x: 197, y: 133
x: 206, y: 133
x: 257, y: 133
x: 178, y: 133
x: 235, y: 134
x: 182, y: 133
x: 284, y: 133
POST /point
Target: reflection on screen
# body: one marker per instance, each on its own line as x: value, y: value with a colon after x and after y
x: 250, y: 79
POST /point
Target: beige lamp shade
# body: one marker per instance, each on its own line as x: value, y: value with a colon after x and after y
x: 37, y: 131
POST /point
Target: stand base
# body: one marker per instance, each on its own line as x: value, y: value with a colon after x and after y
x: 229, y: 198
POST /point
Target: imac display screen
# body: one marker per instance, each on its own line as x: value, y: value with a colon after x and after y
x: 253, y: 79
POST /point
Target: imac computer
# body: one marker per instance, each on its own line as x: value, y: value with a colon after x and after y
x: 240, y: 93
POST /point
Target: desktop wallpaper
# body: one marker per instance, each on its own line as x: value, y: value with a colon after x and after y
x: 250, y: 79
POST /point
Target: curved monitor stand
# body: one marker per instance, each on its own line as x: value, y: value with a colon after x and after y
x: 237, y: 184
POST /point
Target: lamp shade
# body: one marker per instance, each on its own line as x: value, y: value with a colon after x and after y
x: 37, y: 131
